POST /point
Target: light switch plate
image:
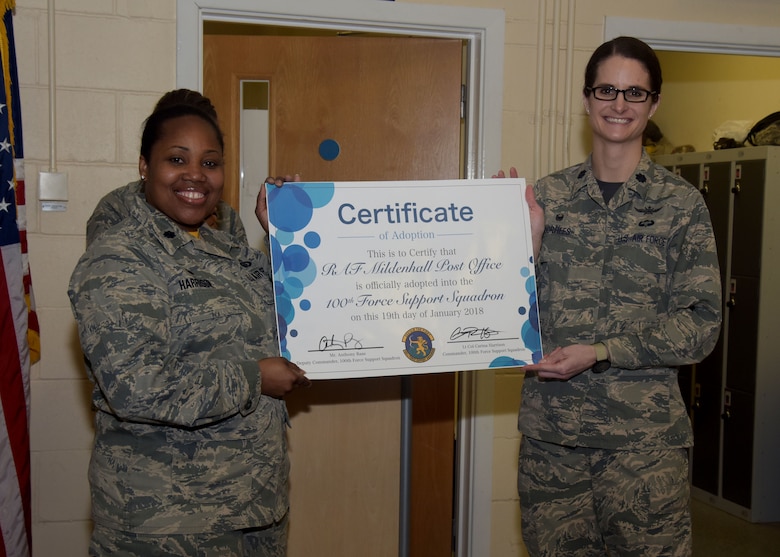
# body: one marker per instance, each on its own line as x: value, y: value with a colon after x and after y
x: 52, y: 186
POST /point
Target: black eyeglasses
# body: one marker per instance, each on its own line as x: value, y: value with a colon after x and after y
x: 609, y: 93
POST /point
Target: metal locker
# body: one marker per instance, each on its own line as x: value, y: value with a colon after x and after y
x: 734, y: 398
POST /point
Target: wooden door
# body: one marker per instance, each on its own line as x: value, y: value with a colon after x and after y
x: 393, y: 106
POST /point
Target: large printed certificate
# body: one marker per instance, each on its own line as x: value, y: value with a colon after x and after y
x: 392, y: 278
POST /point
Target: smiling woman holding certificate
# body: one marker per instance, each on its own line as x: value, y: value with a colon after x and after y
x: 178, y: 331
x: 629, y: 288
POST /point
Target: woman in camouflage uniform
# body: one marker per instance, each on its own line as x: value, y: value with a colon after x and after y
x: 177, y: 325
x: 628, y: 288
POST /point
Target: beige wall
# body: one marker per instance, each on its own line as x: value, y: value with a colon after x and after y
x: 114, y: 59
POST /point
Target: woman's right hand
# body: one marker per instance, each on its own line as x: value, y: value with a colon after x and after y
x: 279, y: 376
x: 261, y: 205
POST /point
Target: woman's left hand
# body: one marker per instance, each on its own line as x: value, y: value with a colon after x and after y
x: 279, y: 376
x: 564, y: 363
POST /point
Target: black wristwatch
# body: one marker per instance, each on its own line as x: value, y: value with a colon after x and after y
x: 602, y: 358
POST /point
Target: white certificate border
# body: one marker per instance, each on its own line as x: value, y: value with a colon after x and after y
x: 319, y: 195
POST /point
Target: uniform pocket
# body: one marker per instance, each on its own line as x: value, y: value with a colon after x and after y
x: 639, y: 285
x: 637, y: 399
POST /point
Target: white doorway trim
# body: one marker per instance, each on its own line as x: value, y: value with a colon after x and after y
x: 483, y: 31
x: 693, y: 36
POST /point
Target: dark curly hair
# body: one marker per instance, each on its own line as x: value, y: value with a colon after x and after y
x: 174, y: 104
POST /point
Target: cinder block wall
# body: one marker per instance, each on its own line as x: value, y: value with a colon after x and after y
x: 113, y: 60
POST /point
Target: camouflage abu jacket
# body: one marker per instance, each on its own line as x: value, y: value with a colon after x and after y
x: 641, y: 275
x: 172, y: 328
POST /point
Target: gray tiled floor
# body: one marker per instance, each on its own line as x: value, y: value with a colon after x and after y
x: 716, y: 533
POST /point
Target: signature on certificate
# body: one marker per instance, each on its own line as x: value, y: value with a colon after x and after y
x: 347, y: 342
x: 471, y: 333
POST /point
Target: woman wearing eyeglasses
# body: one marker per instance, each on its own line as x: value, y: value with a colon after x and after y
x: 628, y: 288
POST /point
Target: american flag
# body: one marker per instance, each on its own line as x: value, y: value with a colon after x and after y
x: 19, y: 332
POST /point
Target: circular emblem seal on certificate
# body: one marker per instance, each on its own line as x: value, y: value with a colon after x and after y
x: 418, y: 345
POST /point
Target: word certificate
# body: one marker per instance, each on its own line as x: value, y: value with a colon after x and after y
x: 394, y: 278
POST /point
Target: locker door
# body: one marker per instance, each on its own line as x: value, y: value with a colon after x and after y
x: 738, y: 448
x: 748, y: 221
x: 741, y: 353
x: 706, y: 418
x: 743, y: 302
x: 716, y: 189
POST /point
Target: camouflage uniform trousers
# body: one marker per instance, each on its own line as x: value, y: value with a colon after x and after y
x: 593, y: 502
x: 269, y: 541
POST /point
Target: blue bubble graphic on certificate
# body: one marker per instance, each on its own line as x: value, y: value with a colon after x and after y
x: 294, y: 267
x: 529, y: 331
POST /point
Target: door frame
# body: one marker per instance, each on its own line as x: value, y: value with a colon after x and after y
x: 483, y: 31
x: 481, y: 28
x: 697, y: 36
